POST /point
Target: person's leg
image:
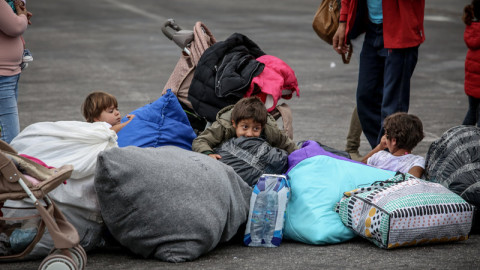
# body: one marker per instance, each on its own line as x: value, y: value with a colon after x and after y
x: 477, y: 110
x: 9, y: 122
x: 399, y: 67
x: 471, y: 116
x: 354, y: 133
x: 370, y: 83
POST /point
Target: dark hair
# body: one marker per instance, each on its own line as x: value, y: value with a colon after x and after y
x: 250, y: 108
x: 471, y: 12
x: 95, y: 103
x: 406, y: 128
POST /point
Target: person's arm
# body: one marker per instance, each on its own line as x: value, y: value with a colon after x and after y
x: 209, y: 139
x: 339, y: 39
x: 339, y: 44
x: 11, y: 24
x: 279, y: 139
x: 380, y: 147
x: 118, y: 127
x: 416, y: 171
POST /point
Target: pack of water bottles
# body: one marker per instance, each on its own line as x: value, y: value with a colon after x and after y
x: 267, y: 211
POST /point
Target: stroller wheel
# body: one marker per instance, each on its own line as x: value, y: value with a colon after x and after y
x: 58, y: 262
x: 79, y: 256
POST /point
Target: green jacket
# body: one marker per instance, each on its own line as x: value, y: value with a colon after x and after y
x: 223, y: 130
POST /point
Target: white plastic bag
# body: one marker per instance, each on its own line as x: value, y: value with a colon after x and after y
x: 78, y: 144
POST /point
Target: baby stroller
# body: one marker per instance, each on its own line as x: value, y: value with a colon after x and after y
x: 20, y: 177
x: 193, y: 44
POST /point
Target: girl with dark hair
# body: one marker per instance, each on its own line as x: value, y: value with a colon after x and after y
x: 403, y: 132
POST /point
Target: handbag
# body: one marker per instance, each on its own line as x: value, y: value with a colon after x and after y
x: 406, y: 211
x: 325, y: 24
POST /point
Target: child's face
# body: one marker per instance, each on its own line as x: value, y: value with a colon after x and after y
x: 110, y: 115
x: 247, y: 128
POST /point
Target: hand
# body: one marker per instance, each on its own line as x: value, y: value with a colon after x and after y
x: 339, y: 39
x: 20, y: 7
x: 29, y: 15
x: 130, y: 116
x: 383, y: 142
x: 215, y: 156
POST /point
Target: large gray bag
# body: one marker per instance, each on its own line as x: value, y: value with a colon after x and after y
x: 169, y: 203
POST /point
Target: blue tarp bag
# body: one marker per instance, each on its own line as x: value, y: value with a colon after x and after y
x: 162, y: 122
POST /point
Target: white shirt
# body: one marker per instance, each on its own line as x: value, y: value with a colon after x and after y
x: 385, y: 160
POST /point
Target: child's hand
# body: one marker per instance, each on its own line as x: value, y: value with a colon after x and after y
x: 130, y: 117
x: 383, y: 142
x: 215, y: 156
x: 20, y: 7
x: 29, y: 15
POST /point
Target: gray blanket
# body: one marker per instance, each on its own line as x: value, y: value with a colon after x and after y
x: 168, y: 203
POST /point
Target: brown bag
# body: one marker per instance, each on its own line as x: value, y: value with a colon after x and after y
x: 325, y: 23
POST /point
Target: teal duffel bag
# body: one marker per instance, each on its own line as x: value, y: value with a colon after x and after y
x: 406, y: 211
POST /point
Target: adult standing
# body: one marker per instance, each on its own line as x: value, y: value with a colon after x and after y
x: 12, y: 27
x: 394, y: 31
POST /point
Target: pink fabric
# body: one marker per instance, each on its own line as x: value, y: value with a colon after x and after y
x: 12, y: 27
x: 36, y: 160
x: 276, y: 81
x: 31, y: 179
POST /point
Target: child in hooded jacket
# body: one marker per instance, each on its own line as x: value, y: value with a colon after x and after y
x: 248, y: 118
x: 471, y: 17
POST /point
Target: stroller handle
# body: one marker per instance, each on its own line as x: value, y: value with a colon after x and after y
x: 170, y: 23
x: 182, y: 38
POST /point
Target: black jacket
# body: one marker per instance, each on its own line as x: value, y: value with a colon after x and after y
x: 224, y: 74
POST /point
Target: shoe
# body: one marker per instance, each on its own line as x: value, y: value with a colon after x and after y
x: 27, y: 56
x: 23, y: 65
x: 355, y: 156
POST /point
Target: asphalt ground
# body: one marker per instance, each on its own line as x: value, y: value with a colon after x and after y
x: 117, y: 46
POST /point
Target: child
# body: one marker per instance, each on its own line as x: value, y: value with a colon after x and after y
x: 103, y: 107
x: 27, y: 55
x: 471, y: 16
x: 249, y: 118
x: 402, y: 133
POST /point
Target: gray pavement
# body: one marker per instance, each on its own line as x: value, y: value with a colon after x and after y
x: 117, y: 46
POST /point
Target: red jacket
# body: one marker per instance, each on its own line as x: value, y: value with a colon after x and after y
x: 402, y: 21
x: 472, y: 62
x: 276, y: 81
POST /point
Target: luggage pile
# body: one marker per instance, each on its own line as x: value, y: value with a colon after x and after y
x: 211, y: 75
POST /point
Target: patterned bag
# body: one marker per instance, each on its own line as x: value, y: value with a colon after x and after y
x: 406, y: 211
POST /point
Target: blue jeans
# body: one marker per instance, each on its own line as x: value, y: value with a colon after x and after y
x: 473, y: 115
x: 9, y: 123
x: 383, y: 82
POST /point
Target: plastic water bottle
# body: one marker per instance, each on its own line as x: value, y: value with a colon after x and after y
x: 265, y: 224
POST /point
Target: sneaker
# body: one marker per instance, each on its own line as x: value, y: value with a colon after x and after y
x: 23, y: 65
x: 27, y: 56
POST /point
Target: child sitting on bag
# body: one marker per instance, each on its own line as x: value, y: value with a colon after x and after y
x: 103, y: 107
x: 249, y: 118
x: 403, y: 132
